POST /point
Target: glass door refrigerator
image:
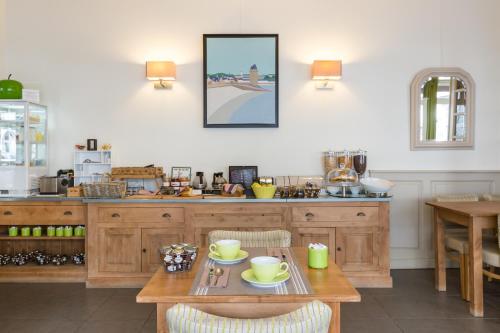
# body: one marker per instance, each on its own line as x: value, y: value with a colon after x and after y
x: 23, y: 147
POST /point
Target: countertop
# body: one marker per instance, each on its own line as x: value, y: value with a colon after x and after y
x: 187, y: 201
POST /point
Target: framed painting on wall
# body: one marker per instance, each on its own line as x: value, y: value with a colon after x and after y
x: 240, y: 75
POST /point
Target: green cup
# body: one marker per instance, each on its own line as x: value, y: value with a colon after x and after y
x: 266, y: 269
x: 25, y: 231
x: 226, y: 248
x: 68, y: 231
x: 59, y: 231
x: 317, y: 258
x: 79, y: 231
x: 51, y: 231
x: 13, y: 231
x: 37, y: 231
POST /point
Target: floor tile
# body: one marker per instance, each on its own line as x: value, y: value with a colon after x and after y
x: 368, y: 308
x: 369, y: 325
x: 113, y: 326
x: 122, y: 308
x: 470, y: 325
x: 39, y: 326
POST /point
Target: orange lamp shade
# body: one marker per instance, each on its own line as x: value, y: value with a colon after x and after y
x: 327, y: 69
x: 160, y: 70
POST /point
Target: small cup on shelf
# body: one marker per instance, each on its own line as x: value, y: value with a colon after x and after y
x: 79, y: 231
x: 51, y: 231
x: 68, y: 231
x: 37, y: 231
x: 13, y: 231
x: 59, y: 231
x: 25, y: 231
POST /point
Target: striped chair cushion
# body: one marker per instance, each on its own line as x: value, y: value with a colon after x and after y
x: 275, y: 238
x: 313, y: 317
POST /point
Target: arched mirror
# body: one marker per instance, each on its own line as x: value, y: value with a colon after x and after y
x: 442, y: 109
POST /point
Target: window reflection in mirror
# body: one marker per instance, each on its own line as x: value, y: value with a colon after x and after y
x: 443, y: 109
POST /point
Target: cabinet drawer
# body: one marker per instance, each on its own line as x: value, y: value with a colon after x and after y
x: 246, y: 220
x: 332, y: 214
x: 44, y: 215
x: 144, y: 214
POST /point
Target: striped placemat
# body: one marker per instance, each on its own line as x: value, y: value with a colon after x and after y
x: 298, y: 283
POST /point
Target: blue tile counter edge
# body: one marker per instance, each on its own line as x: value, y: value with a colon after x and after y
x: 188, y: 201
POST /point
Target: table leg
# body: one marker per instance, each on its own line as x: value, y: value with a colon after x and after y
x: 476, y: 268
x: 161, y: 320
x: 440, y: 257
x: 335, y: 322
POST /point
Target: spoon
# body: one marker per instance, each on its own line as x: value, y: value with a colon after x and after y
x: 218, y: 273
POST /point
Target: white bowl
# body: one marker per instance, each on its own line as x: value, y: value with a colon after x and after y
x: 376, y: 185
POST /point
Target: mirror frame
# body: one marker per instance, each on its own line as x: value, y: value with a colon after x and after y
x: 416, y: 85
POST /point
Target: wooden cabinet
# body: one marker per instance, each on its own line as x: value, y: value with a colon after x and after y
x: 119, y: 250
x: 152, y: 240
x: 42, y: 214
x: 357, y: 234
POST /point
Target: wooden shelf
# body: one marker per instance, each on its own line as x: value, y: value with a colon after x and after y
x: 4, y: 237
x: 47, y: 273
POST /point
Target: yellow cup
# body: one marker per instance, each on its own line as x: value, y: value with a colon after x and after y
x: 267, y: 269
x: 226, y: 248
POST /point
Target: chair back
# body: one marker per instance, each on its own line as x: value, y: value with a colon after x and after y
x: 493, y: 197
x: 457, y: 198
x: 312, y: 317
x: 275, y: 238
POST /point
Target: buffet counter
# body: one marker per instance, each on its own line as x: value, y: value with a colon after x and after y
x: 123, y: 235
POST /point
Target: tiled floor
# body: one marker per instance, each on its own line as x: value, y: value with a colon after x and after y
x: 411, y: 306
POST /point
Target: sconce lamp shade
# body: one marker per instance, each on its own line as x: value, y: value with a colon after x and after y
x: 160, y: 70
x: 327, y: 70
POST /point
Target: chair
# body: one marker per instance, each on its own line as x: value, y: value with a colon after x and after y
x: 312, y: 317
x: 457, y: 242
x: 491, y: 248
x: 275, y: 238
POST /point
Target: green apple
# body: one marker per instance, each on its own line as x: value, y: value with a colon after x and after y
x: 11, y: 89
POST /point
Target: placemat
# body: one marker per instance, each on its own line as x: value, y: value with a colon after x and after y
x: 298, y: 284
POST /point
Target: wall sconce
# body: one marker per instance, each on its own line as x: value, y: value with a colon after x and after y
x: 163, y: 72
x: 325, y: 71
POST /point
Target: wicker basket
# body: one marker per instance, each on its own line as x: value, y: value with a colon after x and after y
x: 113, y: 190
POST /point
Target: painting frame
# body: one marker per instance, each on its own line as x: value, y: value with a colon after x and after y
x: 206, y: 123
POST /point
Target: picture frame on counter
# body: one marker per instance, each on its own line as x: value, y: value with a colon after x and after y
x: 244, y: 175
x: 181, y: 172
x: 240, y: 80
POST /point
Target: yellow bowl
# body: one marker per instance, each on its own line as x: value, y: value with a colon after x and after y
x: 264, y: 192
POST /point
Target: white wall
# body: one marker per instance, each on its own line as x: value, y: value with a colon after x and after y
x: 2, y: 39
x: 87, y: 57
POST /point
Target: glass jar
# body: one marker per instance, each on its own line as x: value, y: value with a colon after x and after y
x: 329, y: 161
x: 360, y: 161
x: 344, y: 159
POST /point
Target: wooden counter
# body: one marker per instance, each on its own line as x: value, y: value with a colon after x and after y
x: 123, y: 236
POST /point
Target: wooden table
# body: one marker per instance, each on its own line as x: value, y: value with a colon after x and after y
x: 476, y: 216
x: 330, y: 286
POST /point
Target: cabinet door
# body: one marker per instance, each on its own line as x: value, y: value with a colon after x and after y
x: 358, y: 249
x: 152, y: 240
x: 119, y: 250
x: 302, y: 237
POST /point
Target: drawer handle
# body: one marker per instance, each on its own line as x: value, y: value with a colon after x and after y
x: 339, y: 248
x: 361, y: 214
x: 167, y: 215
x: 68, y: 213
x: 144, y: 250
x: 115, y: 215
x: 8, y: 212
x: 309, y: 215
